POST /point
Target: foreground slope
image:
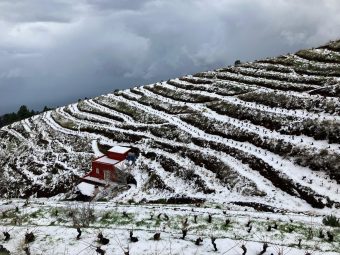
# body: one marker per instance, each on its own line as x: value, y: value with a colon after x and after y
x: 264, y: 134
x: 54, y: 226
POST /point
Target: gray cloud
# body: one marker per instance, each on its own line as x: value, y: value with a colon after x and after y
x: 54, y: 52
x: 37, y: 11
x: 108, y: 5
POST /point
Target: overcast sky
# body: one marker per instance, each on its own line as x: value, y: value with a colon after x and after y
x: 54, y: 52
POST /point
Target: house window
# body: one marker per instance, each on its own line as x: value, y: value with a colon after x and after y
x: 97, y: 170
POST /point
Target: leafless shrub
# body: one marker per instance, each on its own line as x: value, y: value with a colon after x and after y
x: 213, y: 239
x: 198, y: 241
x: 82, y: 216
x: 227, y: 222
x: 157, y: 236
x: 166, y: 217
x: 133, y: 238
x: 29, y: 237
x: 27, y: 250
x: 243, y: 247
x: 102, y: 240
x: 79, y: 233
x: 321, y: 234
x: 264, y: 249
x: 330, y: 236
x: 184, y: 233
x: 209, y: 218
x: 7, y: 236
x: 100, y: 251
x: 299, y: 243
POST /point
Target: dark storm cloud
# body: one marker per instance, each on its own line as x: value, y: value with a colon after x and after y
x: 54, y: 52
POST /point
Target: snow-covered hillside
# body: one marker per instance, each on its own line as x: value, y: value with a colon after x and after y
x: 250, y: 152
x: 264, y: 134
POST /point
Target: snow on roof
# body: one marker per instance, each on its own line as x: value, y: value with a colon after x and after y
x: 86, y: 189
x: 119, y: 149
x: 106, y: 160
x: 121, y: 165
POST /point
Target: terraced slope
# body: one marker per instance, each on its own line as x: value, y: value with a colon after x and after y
x: 260, y: 133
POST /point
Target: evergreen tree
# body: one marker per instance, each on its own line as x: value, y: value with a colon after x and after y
x: 23, y: 112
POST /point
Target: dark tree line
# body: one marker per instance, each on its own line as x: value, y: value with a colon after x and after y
x: 21, y: 114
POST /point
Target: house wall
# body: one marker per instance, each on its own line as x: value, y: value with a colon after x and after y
x: 117, y: 156
x: 101, y: 168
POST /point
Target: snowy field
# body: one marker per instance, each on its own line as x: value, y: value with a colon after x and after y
x: 54, y: 225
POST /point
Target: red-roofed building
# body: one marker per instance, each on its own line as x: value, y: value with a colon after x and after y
x: 118, y: 152
x: 104, y: 167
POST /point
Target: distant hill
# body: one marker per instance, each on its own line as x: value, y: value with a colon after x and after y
x: 263, y: 133
x: 22, y: 113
